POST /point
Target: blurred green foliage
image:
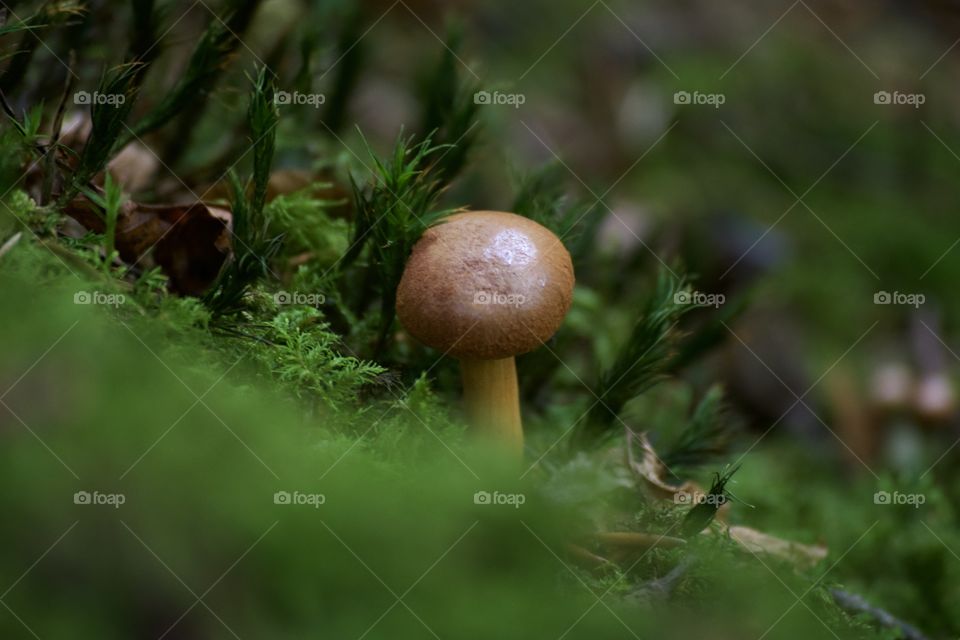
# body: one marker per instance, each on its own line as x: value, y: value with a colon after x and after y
x: 200, y: 422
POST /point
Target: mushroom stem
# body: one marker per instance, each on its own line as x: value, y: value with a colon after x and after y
x: 492, y: 401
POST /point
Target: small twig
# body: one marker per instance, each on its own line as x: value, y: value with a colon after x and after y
x: 10, y: 243
x: 927, y: 350
x: 50, y: 177
x: 588, y: 559
x: 668, y: 583
x: 57, y: 125
x: 662, y: 588
x: 852, y: 603
x: 634, y: 541
x: 8, y: 110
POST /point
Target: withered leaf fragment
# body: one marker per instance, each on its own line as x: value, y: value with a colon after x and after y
x: 190, y: 242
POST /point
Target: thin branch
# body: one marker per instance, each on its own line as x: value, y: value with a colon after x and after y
x: 854, y: 604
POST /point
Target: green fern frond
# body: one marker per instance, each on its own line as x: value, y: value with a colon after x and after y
x: 110, y: 106
x: 450, y: 113
x: 643, y: 361
x: 706, y: 438
x: 392, y: 213
x: 209, y: 59
x: 253, y: 245
x: 543, y: 196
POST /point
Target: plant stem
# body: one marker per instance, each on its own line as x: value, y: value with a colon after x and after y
x: 493, y: 402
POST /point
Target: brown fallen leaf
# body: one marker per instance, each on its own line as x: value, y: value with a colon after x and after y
x: 652, y: 470
x: 75, y: 129
x: 134, y: 167
x: 323, y: 184
x: 802, y: 555
x: 282, y: 182
x: 190, y: 242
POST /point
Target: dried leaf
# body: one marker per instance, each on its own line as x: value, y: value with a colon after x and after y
x: 587, y: 559
x: 134, y: 167
x: 652, y: 470
x: 637, y: 540
x: 286, y: 181
x: 190, y: 242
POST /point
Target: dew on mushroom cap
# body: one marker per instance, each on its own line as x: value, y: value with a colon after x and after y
x: 511, y: 247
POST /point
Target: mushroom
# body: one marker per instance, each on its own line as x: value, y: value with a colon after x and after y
x: 891, y: 386
x: 485, y: 286
x: 935, y: 401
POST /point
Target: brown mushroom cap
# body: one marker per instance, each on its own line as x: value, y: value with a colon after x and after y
x: 485, y: 285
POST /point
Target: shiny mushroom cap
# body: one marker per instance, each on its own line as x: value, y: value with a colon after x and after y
x: 485, y: 285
